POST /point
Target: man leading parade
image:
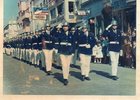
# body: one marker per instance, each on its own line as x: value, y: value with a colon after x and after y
x: 114, y: 36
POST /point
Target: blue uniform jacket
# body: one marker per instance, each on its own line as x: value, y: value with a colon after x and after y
x: 29, y: 43
x: 21, y: 43
x: 75, y: 40
x: 47, y: 41
x: 114, y: 40
x: 35, y: 43
x: 83, y: 39
x: 40, y: 42
x: 26, y: 43
x: 66, y: 43
x: 56, y: 40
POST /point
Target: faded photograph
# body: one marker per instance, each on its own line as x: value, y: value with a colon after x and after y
x: 69, y: 47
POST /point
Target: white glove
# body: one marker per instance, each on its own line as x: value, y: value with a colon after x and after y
x: 56, y: 51
x: 108, y: 27
x: 87, y: 46
x: 72, y: 54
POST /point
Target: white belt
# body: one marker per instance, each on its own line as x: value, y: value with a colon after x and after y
x: 56, y: 43
x: 48, y: 41
x: 34, y: 43
x: 114, y: 42
x: 65, y: 43
x: 40, y: 43
x: 82, y: 45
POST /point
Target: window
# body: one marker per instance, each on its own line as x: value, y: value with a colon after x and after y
x: 60, y: 9
x: 77, y: 3
x: 44, y: 1
x: 71, y: 7
x: 83, y: 1
x: 41, y: 5
x: 26, y: 22
x: 53, y: 13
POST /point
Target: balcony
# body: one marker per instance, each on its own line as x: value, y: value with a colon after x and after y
x: 25, y: 15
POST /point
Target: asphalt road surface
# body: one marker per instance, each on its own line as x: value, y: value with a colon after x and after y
x: 22, y: 79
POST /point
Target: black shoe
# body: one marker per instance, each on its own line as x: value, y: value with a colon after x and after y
x: 35, y: 65
x: 49, y: 73
x: 72, y: 65
x: 30, y: 63
x: 115, y: 78
x: 66, y: 82
x: 83, y: 77
x: 87, y: 78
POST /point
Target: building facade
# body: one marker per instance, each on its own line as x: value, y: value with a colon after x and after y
x: 103, y: 11
x: 39, y: 14
x: 61, y: 11
x: 31, y: 15
x: 24, y: 16
x: 124, y: 11
x: 11, y: 30
x: 96, y: 14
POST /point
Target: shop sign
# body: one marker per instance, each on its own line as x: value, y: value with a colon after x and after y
x: 39, y: 17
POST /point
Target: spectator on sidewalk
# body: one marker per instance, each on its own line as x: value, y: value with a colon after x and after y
x: 94, y: 53
x: 99, y: 55
x: 134, y: 54
x: 104, y: 44
x: 127, y: 51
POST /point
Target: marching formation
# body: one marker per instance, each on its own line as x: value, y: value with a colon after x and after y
x: 65, y: 43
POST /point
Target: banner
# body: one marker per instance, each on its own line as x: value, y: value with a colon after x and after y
x: 39, y: 17
x: 44, y: 9
x: 40, y: 10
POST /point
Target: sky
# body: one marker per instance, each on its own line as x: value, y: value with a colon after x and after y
x: 10, y: 10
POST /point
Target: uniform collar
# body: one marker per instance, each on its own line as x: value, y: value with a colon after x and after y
x: 67, y: 32
x: 47, y: 31
x: 86, y: 33
x: 115, y: 31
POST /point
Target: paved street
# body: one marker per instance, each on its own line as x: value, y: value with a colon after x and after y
x: 22, y: 79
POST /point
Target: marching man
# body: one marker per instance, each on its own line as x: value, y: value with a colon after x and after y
x: 56, y: 56
x: 66, y: 50
x: 86, y: 42
x: 35, y: 48
x: 47, y: 48
x: 114, y: 36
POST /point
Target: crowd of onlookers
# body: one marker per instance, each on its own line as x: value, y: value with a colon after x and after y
x: 127, y: 54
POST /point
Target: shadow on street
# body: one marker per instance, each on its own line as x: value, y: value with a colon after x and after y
x: 101, y: 73
x: 76, y: 74
x: 59, y: 77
